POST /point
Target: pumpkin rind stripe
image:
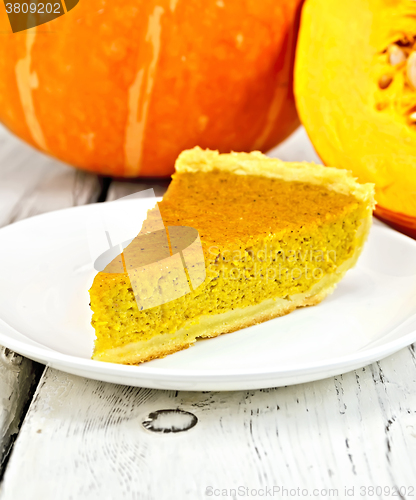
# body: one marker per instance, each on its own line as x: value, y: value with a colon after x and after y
x: 138, y: 104
x: 133, y: 129
x: 26, y: 81
x: 173, y: 4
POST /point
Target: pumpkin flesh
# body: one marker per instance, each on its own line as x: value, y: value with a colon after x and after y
x: 356, y: 95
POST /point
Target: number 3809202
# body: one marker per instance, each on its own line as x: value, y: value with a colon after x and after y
x: 39, y: 8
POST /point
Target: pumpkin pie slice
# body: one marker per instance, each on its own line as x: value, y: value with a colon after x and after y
x: 244, y: 239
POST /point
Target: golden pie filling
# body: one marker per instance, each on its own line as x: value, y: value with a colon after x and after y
x: 270, y: 244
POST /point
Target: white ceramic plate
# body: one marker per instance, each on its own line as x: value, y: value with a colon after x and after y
x: 46, y: 269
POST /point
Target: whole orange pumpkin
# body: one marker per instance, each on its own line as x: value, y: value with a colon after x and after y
x: 120, y: 88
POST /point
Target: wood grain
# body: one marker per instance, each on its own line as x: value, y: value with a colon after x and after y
x: 30, y: 183
x: 18, y: 379
x: 84, y: 439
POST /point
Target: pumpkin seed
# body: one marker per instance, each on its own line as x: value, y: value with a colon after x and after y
x: 385, y: 81
x: 411, y: 69
x: 396, y: 54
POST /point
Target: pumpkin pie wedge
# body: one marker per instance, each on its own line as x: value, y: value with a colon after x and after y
x: 245, y: 239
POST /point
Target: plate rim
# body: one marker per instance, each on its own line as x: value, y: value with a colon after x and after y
x: 143, y: 373
x: 199, y: 375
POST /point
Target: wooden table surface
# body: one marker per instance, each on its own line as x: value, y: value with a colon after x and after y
x: 66, y: 437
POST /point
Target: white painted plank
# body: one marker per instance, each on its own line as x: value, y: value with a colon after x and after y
x: 84, y: 439
x: 30, y: 183
x: 18, y: 378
